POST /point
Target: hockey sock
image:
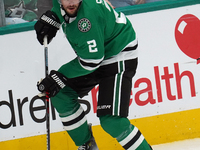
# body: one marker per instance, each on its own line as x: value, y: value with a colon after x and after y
x: 134, y: 141
x: 80, y: 135
x: 114, y: 125
x: 77, y: 127
x: 72, y: 115
x: 126, y: 134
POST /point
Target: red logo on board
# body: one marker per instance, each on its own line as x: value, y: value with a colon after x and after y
x: 187, y: 35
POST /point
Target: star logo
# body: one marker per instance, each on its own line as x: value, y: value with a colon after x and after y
x: 84, y: 25
x: 17, y: 11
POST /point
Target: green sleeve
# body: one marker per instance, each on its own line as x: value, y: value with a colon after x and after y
x: 73, y: 69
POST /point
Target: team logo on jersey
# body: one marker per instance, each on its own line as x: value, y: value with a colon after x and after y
x: 84, y: 25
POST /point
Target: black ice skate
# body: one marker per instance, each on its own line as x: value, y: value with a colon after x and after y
x: 91, y: 144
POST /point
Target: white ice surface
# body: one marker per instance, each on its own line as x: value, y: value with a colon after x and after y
x: 192, y: 144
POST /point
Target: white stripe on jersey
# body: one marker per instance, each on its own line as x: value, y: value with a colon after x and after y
x: 126, y: 55
x: 90, y: 64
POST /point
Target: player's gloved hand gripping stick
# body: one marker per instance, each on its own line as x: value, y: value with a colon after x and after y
x: 47, y: 25
x: 52, y: 83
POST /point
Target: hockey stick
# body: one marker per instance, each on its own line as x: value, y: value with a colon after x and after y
x: 47, y: 96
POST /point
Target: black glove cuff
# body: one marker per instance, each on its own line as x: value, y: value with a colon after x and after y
x: 58, y: 78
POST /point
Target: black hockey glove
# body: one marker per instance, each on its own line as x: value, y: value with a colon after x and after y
x: 52, y: 83
x: 48, y: 24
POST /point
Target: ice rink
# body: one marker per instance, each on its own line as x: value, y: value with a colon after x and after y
x: 193, y: 144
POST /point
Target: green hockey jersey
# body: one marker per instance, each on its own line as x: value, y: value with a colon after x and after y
x: 96, y: 34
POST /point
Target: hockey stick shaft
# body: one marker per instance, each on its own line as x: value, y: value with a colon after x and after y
x: 47, y: 96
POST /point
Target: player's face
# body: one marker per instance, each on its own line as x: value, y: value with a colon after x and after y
x: 70, y: 6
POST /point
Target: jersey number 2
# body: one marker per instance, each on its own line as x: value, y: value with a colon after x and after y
x: 92, y: 46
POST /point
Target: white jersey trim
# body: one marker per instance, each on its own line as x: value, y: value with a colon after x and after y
x: 126, y: 55
x: 96, y: 63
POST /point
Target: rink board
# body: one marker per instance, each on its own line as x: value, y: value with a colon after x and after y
x: 165, y: 98
x: 157, y: 129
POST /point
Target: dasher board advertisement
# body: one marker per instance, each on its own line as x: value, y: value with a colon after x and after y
x: 167, y: 78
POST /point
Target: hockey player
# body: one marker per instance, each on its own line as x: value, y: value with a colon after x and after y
x: 106, y: 47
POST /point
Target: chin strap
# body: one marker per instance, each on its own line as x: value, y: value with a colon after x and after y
x: 68, y: 18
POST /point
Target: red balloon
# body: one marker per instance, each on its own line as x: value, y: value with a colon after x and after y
x: 187, y: 35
